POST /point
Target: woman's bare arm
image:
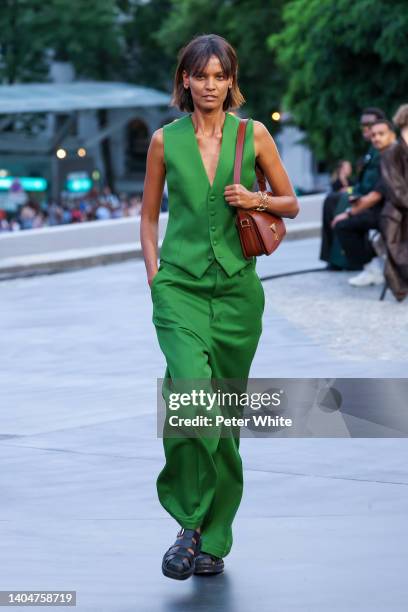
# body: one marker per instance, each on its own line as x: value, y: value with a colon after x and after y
x: 152, y: 198
x: 283, y: 202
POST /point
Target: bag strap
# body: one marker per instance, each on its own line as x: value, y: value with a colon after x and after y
x: 239, y: 149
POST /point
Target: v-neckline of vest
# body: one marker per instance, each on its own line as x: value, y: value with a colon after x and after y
x: 197, y: 148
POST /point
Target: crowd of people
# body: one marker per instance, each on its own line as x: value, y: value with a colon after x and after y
x: 95, y: 205
x: 377, y: 200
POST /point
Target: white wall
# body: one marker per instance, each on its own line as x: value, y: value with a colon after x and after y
x: 297, y: 158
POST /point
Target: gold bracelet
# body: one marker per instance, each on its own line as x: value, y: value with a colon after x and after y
x: 263, y: 200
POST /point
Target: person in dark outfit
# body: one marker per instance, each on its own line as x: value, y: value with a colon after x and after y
x: 338, y: 201
x: 352, y: 226
x: 394, y: 215
x: 341, y: 178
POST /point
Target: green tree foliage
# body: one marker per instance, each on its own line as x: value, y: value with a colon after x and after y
x: 88, y: 34
x: 340, y: 56
x: 22, y: 42
x: 146, y: 61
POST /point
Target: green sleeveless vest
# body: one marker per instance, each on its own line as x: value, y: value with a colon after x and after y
x: 201, y: 224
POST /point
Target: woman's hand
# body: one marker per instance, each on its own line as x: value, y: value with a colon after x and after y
x: 239, y: 196
x: 150, y: 279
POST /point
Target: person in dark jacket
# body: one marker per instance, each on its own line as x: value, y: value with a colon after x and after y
x: 353, y: 225
x: 336, y: 202
x: 394, y: 216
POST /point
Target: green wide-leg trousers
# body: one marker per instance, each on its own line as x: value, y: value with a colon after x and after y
x: 207, y: 328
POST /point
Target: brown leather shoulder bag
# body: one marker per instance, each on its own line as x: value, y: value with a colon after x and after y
x: 260, y: 232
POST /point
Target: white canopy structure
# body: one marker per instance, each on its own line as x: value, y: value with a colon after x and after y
x: 75, y: 96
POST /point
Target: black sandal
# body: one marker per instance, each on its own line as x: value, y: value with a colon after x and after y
x: 206, y: 563
x: 178, y: 561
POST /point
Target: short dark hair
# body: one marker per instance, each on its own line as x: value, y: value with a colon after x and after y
x: 193, y: 57
x: 385, y: 122
x: 373, y: 110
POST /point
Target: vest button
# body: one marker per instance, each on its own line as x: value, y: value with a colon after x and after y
x: 210, y: 257
x: 213, y: 228
x: 212, y: 212
x: 212, y: 197
x: 214, y: 242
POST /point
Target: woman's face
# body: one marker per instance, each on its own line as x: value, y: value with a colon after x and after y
x: 209, y: 88
x: 346, y: 168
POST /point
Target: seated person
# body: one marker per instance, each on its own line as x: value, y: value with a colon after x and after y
x: 341, y: 177
x: 337, y: 202
x: 351, y: 227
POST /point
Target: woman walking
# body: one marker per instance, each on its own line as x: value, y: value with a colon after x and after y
x: 208, y: 300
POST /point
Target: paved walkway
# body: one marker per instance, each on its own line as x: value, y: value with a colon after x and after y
x: 322, y: 525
